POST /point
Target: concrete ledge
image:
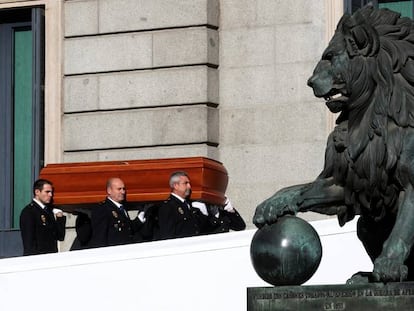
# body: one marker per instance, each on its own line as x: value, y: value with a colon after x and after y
x: 142, y: 50
x: 156, y: 152
x: 143, y: 127
x: 156, y: 273
x: 107, y: 53
x: 185, y: 46
x: 148, y: 88
x: 88, y: 17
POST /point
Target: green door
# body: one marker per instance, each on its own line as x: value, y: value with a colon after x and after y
x: 21, y: 117
x: 403, y: 7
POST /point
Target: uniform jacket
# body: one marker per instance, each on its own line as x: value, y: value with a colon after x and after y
x: 110, y: 226
x: 225, y: 222
x: 176, y: 220
x: 40, y: 230
x: 83, y: 229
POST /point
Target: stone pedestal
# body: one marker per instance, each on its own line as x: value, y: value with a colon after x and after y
x: 373, y: 296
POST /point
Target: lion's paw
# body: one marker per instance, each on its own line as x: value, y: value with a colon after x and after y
x: 360, y: 278
x: 389, y: 270
x: 281, y: 203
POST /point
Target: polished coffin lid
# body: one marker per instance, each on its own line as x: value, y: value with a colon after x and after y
x: 146, y: 180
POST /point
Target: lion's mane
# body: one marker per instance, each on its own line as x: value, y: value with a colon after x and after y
x: 364, y: 149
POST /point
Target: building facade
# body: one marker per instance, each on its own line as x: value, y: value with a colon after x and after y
x: 97, y: 80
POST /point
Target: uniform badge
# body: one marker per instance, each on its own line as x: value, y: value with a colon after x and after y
x: 43, y: 219
x: 180, y: 210
x: 115, y: 214
x: 118, y: 226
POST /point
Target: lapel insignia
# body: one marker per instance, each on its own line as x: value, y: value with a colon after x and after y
x: 43, y: 219
x: 180, y: 210
x: 115, y: 214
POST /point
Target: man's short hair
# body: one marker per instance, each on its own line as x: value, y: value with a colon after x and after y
x: 109, y: 182
x: 175, y: 177
x: 39, y: 184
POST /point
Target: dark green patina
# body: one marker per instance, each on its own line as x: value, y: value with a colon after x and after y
x: 365, y: 74
x: 287, y: 252
x: 361, y: 297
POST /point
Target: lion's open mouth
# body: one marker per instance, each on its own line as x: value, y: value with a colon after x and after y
x: 335, y: 100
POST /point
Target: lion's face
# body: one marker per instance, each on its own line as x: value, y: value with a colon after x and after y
x: 329, y: 79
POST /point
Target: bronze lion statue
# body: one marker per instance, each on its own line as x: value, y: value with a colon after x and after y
x: 367, y: 74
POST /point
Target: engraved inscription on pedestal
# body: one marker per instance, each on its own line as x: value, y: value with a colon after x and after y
x: 375, y: 296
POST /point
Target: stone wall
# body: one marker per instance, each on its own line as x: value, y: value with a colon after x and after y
x: 222, y: 79
x: 140, y: 79
x: 272, y: 129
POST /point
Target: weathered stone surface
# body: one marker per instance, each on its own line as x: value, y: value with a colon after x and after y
x: 186, y: 46
x: 89, y: 17
x: 260, y: 67
x: 392, y: 296
x: 116, y: 15
x: 140, y: 128
x: 163, y: 87
x: 282, y: 118
x: 141, y: 50
x: 247, y: 47
x: 247, y: 13
x: 108, y: 53
x: 155, y: 152
x: 293, y: 43
x: 81, y: 17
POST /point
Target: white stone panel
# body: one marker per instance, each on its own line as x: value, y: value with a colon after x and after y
x: 268, y: 125
x: 254, y: 85
x: 272, y: 129
x: 267, y: 168
x: 247, y: 47
x: 178, y: 151
x: 81, y: 93
x: 248, y: 13
x: 88, y: 273
x: 278, y: 165
x: 127, y: 15
x: 141, y: 50
x: 81, y: 17
x: 237, y: 13
x: 107, y: 53
x: 273, y: 12
x: 248, y: 86
x: 301, y: 43
x: 142, y: 127
x: 291, y: 82
x: 90, y: 17
x: 145, y: 88
x: 157, y: 88
x: 185, y: 46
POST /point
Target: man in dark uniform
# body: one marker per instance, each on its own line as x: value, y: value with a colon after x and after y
x: 224, y: 218
x: 176, y: 217
x: 83, y: 229
x: 110, y: 221
x: 41, y: 225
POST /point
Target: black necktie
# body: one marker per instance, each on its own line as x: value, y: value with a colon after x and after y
x: 46, y: 209
x: 122, y: 209
x: 188, y: 204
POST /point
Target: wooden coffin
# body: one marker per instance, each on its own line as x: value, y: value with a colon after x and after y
x: 84, y: 184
